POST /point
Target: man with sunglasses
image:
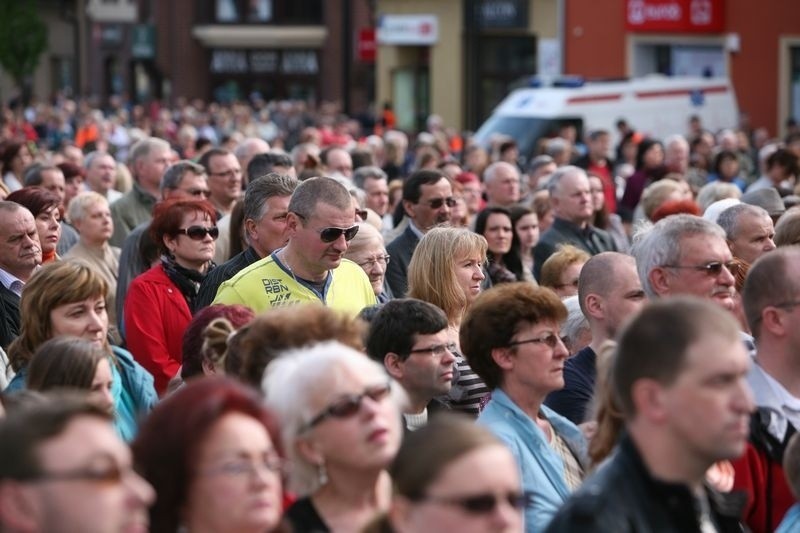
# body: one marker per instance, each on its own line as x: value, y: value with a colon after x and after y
x: 571, y: 198
x: 409, y: 338
x: 64, y: 469
x: 771, y: 299
x: 679, y: 379
x: 427, y: 200
x: 311, y: 268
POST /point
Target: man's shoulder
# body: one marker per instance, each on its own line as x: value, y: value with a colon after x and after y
x: 407, y: 239
x: 253, y: 271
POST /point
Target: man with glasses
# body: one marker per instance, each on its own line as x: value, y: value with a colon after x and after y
x: 311, y: 268
x: 224, y: 179
x: 409, y: 338
x: 685, y: 254
x: 427, y: 200
x: 571, y: 198
x: 771, y: 299
x: 63, y: 469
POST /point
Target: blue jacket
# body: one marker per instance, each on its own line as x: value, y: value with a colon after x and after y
x: 541, y: 468
x: 132, y: 390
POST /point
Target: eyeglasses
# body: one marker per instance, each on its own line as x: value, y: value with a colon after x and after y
x: 112, y: 474
x: 243, y: 468
x: 437, y: 203
x: 370, y: 263
x: 362, y: 214
x: 331, y: 234
x: 550, y: 340
x: 714, y: 268
x: 349, y: 405
x: 437, y: 350
x: 485, y: 503
x: 198, y: 192
x: 198, y: 233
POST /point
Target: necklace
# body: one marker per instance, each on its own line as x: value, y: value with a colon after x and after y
x: 282, y: 257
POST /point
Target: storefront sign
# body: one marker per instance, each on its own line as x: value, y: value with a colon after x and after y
x: 412, y: 30
x: 503, y: 14
x: 683, y: 16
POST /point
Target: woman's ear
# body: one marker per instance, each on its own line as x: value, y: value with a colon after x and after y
x: 309, y: 450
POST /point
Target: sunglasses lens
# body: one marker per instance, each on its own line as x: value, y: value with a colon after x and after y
x: 214, y: 232
x: 479, y: 504
x: 330, y: 234
x: 349, y: 233
x: 451, y: 202
x: 345, y: 407
x: 437, y: 204
x: 196, y: 233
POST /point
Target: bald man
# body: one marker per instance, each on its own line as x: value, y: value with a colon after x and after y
x: 609, y: 293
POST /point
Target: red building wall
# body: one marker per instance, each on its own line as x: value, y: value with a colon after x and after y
x: 594, y: 38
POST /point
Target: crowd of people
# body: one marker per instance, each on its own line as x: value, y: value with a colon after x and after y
x: 256, y: 318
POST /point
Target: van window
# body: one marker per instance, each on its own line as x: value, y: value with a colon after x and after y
x: 525, y: 130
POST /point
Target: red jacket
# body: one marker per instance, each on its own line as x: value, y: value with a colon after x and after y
x: 156, y: 315
x: 759, y: 473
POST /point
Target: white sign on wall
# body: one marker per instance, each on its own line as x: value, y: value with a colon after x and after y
x: 413, y: 30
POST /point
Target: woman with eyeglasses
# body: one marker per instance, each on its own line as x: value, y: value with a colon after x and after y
x: 465, y: 481
x: 158, y: 303
x: 511, y: 338
x: 367, y: 251
x: 68, y: 299
x: 212, y: 453
x: 561, y: 271
x: 341, y: 426
x: 446, y: 270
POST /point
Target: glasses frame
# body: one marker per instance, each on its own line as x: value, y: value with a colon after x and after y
x: 112, y: 474
x: 437, y: 350
x: 478, y: 504
x: 712, y: 268
x: 199, y: 232
x: 550, y: 340
x: 350, y: 404
x: 437, y: 203
x: 384, y: 260
x: 332, y: 233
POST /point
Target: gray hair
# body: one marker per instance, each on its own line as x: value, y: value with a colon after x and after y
x: 660, y: 244
x: 262, y: 189
x: 79, y: 205
x: 555, y: 178
x: 172, y: 178
x: 33, y: 174
x: 491, y: 170
x: 143, y: 148
x: 362, y: 173
x: 90, y: 158
x: 575, y: 324
x: 294, y: 380
x: 728, y: 220
x: 716, y: 190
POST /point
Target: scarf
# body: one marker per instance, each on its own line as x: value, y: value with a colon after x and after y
x: 187, y: 280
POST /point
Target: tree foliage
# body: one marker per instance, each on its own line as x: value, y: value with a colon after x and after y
x: 23, y: 38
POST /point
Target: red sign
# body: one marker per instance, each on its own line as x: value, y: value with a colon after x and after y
x: 683, y: 16
x: 366, y: 45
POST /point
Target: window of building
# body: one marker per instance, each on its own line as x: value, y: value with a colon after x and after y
x: 794, y: 80
x: 267, y: 11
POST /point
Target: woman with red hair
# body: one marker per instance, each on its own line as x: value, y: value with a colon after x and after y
x: 157, y: 307
x: 213, y: 455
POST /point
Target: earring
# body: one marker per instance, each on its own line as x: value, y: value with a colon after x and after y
x: 322, y: 474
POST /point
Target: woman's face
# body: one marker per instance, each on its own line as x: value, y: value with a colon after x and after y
x: 366, y: 438
x: 654, y: 156
x: 469, y: 275
x: 729, y: 168
x: 527, y: 229
x: 101, y: 385
x: 86, y: 320
x: 49, y: 229
x: 21, y: 160
x: 596, y: 188
x: 537, y: 366
x: 568, y: 283
x: 97, y: 225
x: 498, y: 233
x: 237, y: 486
x: 480, y: 491
x: 191, y: 252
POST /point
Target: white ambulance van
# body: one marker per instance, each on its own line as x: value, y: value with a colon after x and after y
x: 654, y: 105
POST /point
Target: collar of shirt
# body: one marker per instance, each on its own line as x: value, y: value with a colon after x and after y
x: 773, y: 396
x: 11, y: 282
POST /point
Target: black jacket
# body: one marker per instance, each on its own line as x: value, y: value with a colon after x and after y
x: 9, y: 317
x: 622, y: 497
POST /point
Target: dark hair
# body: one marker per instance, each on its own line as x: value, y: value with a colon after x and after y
x: 169, y: 440
x: 264, y: 163
x: 395, y: 327
x: 514, y: 260
x: 64, y: 362
x: 36, y: 199
x: 412, y: 188
x: 665, y: 330
x: 70, y: 170
x: 10, y: 151
x: 30, y: 425
x: 784, y: 158
x: 192, y: 351
x: 168, y: 216
x: 495, y: 317
x: 643, y: 148
x: 283, y: 328
x: 722, y: 156
x: 205, y: 159
x: 511, y: 259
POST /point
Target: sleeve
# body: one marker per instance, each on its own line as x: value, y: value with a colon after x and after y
x: 144, y: 332
x: 397, y: 276
x: 121, y: 227
x: 228, y: 295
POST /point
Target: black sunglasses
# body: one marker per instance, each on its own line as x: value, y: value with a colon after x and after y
x: 714, y: 268
x: 486, y: 503
x: 349, y: 405
x: 331, y: 234
x: 437, y: 203
x: 198, y: 233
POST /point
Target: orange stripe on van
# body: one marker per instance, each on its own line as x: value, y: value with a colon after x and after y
x: 681, y: 92
x: 595, y: 98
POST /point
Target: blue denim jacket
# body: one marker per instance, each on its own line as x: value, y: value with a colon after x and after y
x: 540, y: 466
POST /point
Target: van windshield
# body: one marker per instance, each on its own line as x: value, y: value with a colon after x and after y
x: 525, y: 130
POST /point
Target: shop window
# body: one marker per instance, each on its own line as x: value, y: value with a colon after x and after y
x: 501, y: 62
x: 268, y: 11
